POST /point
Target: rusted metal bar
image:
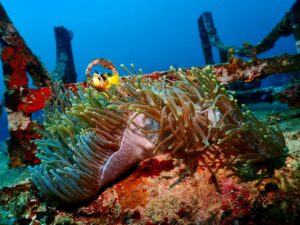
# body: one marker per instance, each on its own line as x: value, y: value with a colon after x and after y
x: 17, y: 59
x: 289, y: 94
x: 295, y: 23
x: 205, y: 42
x: 64, y: 68
x: 288, y: 25
x: 247, y: 70
x: 257, y: 95
x: 1, y: 107
x: 209, y: 38
x: 20, y: 100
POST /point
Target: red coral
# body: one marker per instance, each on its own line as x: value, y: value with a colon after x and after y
x: 235, y: 199
x: 22, y: 138
x: 34, y: 100
x: 7, y: 53
x: 16, y: 60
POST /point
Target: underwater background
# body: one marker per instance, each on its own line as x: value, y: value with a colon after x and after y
x: 165, y: 148
x: 151, y: 34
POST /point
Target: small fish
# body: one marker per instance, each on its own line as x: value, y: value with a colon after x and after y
x: 103, y: 82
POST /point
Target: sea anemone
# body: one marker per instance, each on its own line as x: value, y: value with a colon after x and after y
x: 91, y: 138
x: 86, y: 146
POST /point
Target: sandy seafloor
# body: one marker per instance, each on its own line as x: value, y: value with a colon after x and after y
x: 288, y: 121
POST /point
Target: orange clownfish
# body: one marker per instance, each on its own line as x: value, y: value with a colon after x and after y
x: 102, y: 82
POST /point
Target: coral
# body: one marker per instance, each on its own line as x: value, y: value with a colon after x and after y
x: 91, y: 137
x: 33, y: 100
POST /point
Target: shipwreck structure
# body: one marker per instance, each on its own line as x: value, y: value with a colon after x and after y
x: 288, y: 25
x: 21, y: 101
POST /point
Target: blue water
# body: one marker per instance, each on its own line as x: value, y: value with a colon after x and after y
x: 152, y: 34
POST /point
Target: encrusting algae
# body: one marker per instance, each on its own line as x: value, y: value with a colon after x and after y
x: 91, y: 137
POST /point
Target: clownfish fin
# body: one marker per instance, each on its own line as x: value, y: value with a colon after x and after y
x: 114, y: 79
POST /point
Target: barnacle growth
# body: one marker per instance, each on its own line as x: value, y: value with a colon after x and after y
x: 91, y: 137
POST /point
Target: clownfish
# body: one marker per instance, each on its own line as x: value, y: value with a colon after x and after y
x: 102, y: 82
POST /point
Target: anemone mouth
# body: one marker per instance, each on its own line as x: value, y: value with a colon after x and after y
x: 90, y: 137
